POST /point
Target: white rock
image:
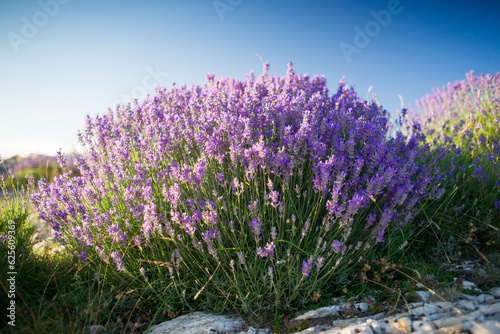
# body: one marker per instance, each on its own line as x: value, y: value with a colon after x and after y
x: 424, y: 296
x: 445, y: 306
x: 358, y: 329
x: 468, y: 297
x: 317, y: 329
x: 489, y: 309
x: 382, y: 328
x: 458, y: 328
x: 495, y: 292
x: 252, y: 330
x: 415, y: 305
x: 451, y: 321
x: 321, y: 312
x: 427, y: 309
x: 423, y: 325
x: 487, y: 327
x: 198, y: 323
x: 402, y: 324
x: 485, y: 298
x: 362, y: 307
x: 468, y: 285
x: 466, y: 305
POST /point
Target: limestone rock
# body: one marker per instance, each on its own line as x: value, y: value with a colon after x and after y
x: 402, y: 324
x: 466, y: 305
x: 468, y: 297
x: 458, y: 328
x: 424, y: 296
x: 198, y: 323
x: 490, y: 309
x: 468, y: 285
x: 361, y: 307
x: 427, y: 309
x: 423, y: 325
x: 321, y: 312
x: 487, y: 327
x: 495, y: 292
x: 450, y: 321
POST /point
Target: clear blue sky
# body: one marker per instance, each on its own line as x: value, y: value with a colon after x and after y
x: 63, y: 59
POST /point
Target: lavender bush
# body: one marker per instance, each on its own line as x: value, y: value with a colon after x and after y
x: 465, y: 113
x: 461, y: 125
x: 246, y: 195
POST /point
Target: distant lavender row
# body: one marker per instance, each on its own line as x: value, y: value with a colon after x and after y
x: 179, y: 165
x: 466, y: 111
x: 35, y: 161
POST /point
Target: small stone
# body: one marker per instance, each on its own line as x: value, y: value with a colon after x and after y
x: 437, y: 316
x: 427, y: 309
x: 377, y: 327
x: 251, y: 330
x: 316, y: 329
x: 95, y: 329
x: 415, y: 305
x: 199, y: 322
x: 468, y: 285
x: 495, y: 292
x: 468, y: 297
x: 445, y: 306
x: 361, y: 307
x: 321, y: 312
x: 263, y: 331
x: 423, y: 325
x: 382, y: 328
x: 487, y: 327
x: 424, y: 296
x: 402, y: 324
x: 489, y: 299
x: 358, y: 329
x: 490, y: 309
x: 462, y: 327
x: 466, y: 305
x: 450, y: 321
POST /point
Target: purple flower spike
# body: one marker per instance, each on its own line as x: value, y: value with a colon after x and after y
x: 267, y: 251
x: 307, y: 267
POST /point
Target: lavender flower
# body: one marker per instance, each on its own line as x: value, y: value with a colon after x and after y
x: 267, y: 251
x: 117, y: 259
x: 307, y: 267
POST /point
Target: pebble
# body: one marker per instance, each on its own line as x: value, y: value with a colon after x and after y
x: 466, y: 305
x: 495, y: 292
x: 424, y: 296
